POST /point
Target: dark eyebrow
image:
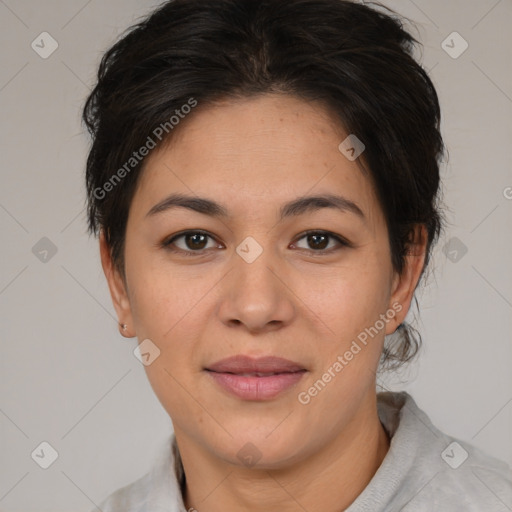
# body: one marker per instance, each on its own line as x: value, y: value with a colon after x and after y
x: 298, y: 206
x: 197, y: 204
x: 311, y: 203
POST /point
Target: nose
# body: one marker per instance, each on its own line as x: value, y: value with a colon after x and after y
x: 256, y: 295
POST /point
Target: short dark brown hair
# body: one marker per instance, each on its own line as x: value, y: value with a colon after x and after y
x: 355, y: 59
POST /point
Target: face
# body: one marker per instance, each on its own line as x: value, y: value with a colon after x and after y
x: 260, y: 275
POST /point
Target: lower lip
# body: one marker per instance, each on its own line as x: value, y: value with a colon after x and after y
x: 257, y: 388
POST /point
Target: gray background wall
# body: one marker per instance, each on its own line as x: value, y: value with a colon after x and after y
x: 68, y: 378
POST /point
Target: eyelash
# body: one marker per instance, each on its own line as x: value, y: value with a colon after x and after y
x: 167, y: 244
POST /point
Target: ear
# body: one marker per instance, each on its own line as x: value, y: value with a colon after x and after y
x: 404, y: 284
x: 117, y: 288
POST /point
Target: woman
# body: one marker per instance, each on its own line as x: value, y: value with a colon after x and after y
x: 264, y: 179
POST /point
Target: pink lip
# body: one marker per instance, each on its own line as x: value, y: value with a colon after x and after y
x: 257, y: 388
x: 245, y: 364
x: 227, y: 373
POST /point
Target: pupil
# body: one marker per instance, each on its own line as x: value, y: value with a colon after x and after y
x: 314, y: 239
x: 196, y: 238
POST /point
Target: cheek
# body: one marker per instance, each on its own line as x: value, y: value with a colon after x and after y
x: 155, y: 305
x: 161, y: 295
x: 170, y: 306
x: 352, y: 310
x: 348, y: 298
x: 166, y: 309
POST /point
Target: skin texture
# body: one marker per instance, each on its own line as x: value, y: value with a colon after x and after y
x: 294, y: 301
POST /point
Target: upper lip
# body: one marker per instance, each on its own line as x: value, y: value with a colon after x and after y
x: 245, y: 364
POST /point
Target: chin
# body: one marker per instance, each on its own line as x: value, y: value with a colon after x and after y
x: 258, y: 450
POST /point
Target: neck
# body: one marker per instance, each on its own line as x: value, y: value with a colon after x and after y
x: 330, y: 479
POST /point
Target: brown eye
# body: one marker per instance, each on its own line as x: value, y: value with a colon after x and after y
x: 189, y: 242
x: 319, y: 241
x: 195, y: 241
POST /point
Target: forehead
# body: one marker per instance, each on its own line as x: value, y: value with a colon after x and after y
x: 253, y: 154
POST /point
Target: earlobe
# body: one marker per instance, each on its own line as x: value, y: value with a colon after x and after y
x: 117, y: 288
x: 404, y: 284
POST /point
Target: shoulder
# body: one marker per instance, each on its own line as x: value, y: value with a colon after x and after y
x: 130, y: 498
x: 465, y: 479
x: 156, y: 491
x: 447, y: 473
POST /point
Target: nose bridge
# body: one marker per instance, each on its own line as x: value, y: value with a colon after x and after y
x: 255, y: 296
x: 252, y: 266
